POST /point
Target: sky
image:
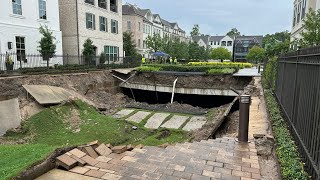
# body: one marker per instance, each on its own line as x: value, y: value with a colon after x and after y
x: 217, y: 17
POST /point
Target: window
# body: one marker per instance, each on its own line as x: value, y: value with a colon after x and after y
x: 223, y: 43
x: 215, y: 43
x: 294, y: 16
x: 129, y: 25
x: 139, y: 24
x: 21, y: 49
x: 43, y: 9
x: 112, y: 53
x: 229, y: 43
x: 144, y: 44
x: 90, y: 21
x: 16, y: 7
x: 218, y: 43
x: 89, y: 2
x: 103, y: 24
x: 113, y: 5
x: 102, y: 4
x: 114, y: 26
x: 304, y: 5
x: 299, y: 13
x: 139, y: 43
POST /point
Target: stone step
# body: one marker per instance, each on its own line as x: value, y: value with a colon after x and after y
x: 175, y: 122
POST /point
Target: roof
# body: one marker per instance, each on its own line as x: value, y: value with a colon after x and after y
x: 257, y: 39
x: 205, y: 38
x: 216, y: 38
x: 165, y: 22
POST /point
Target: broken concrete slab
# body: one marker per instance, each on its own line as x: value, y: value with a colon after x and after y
x: 119, y: 149
x: 76, y: 152
x: 156, y: 120
x: 45, y: 95
x: 195, y: 123
x: 66, y: 162
x: 103, y: 150
x: 91, y: 152
x: 89, y: 160
x: 57, y: 174
x: 123, y: 113
x: 79, y: 170
x: 138, y: 117
x: 9, y: 115
x: 175, y: 122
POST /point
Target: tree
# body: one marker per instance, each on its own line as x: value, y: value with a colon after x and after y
x: 47, y: 47
x: 276, y: 44
x: 256, y: 54
x: 234, y: 32
x: 311, y: 33
x: 128, y: 44
x: 220, y: 53
x: 88, y: 50
x: 195, y: 30
x: 154, y: 42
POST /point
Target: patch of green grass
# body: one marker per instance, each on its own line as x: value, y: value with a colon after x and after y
x: 148, y: 69
x: 50, y: 130
x: 16, y: 158
x: 221, y: 71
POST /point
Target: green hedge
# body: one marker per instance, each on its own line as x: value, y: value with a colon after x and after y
x: 270, y: 73
x: 189, y: 68
x: 287, y: 152
x: 221, y: 71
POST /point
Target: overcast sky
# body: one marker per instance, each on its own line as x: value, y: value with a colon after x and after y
x: 250, y: 17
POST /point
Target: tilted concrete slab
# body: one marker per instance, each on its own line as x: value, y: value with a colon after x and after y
x: 195, y: 123
x: 124, y: 71
x: 9, y: 115
x: 123, y: 113
x: 138, y: 117
x: 156, y: 120
x: 47, y: 94
x: 57, y: 174
x: 168, y: 89
x: 175, y: 122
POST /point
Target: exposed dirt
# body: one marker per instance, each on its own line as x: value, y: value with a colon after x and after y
x: 193, y: 81
x: 230, y: 126
x: 106, y: 102
x: 172, y: 108
x: 213, y: 123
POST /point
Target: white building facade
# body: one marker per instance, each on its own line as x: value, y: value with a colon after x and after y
x: 301, y: 8
x: 20, y: 21
x: 221, y: 41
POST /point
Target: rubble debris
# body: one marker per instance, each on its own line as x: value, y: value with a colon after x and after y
x: 119, y: 149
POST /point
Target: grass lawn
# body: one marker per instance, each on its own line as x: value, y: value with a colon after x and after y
x: 54, y: 128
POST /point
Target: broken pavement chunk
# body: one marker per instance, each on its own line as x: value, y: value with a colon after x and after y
x: 66, y: 162
x: 119, y: 149
x: 91, y: 152
x: 103, y: 150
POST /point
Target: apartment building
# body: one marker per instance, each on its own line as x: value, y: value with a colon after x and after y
x: 242, y: 45
x: 301, y: 8
x: 151, y: 24
x: 98, y: 20
x: 19, y: 28
x: 212, y: 42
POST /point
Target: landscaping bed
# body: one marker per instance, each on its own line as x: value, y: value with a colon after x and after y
x: 71, y: 124
x: 210, y: 68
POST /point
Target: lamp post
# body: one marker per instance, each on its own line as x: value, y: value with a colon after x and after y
x: 245, y: 101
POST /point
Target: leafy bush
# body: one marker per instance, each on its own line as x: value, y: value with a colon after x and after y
x: 148, y: 69
x: 221, y: 71
x: 189, y: 68
x: 222, y: 64
x: 286, y: 150
x: 270, y: 73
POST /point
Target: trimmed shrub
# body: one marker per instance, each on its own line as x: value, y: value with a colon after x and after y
x: 148, y: 69
x: 221, y: 71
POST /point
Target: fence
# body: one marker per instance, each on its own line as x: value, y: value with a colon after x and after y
x: 18, y: 62
x: 298, y: 92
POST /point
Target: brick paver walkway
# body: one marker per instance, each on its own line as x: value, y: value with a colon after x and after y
x: 213, y: 159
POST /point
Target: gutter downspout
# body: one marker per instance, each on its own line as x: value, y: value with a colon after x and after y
x: 173, y: 89
x: 78, y: 40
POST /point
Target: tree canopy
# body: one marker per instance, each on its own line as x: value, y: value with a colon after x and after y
x: 234, y: 32
x: 220, y: 53
x: 311, y: 33
x: 47, y: 46
x: 256, y: 54
x: 129, y: 45
x: 195, y: 30
x: 276, y: 44
x: 154, y: 42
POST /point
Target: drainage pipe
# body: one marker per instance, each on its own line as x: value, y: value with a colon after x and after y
x: 173, y: 89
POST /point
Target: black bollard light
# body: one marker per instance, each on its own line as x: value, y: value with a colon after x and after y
x: 245, y: 101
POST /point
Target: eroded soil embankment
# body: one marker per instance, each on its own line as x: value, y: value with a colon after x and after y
x: 193, y: 81
x: 96, y: 88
